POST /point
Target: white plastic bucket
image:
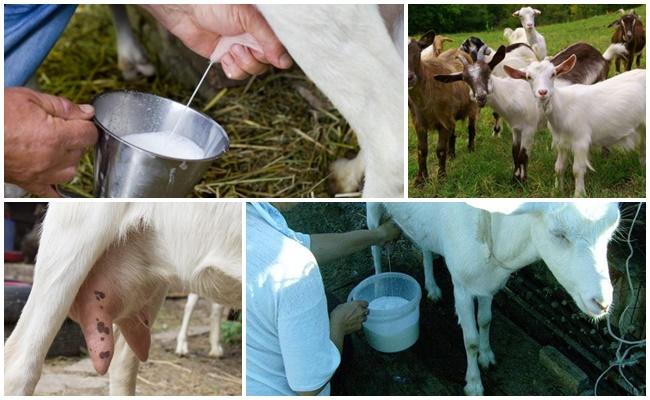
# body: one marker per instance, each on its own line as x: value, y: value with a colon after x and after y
x: 394, y: 329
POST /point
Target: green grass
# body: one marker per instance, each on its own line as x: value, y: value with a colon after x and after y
x: 488, y: 171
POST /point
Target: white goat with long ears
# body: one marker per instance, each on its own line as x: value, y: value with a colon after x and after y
x: 533, y: 38
x: 610, y: 113
x: 485, y: 242
x: 108, y: 266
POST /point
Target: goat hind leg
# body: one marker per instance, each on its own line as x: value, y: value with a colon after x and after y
x: 123, y: 371
x: 216, y: 316
x: 181, y: 339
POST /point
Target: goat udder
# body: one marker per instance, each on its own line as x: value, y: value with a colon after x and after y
x: 96, y: 308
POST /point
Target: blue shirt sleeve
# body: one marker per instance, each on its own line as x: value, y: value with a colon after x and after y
x: 30, y: 32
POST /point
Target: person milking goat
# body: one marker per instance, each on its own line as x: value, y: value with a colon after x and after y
x: 45, y: 135
x: 292, y: 345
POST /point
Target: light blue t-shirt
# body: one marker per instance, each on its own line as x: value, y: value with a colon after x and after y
x: 288, y: 347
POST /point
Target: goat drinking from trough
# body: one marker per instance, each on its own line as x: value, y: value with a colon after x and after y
x: 610, y: 113
x: 108, y: 266
x: 513, y: 98
x: 434, y: 105
x: 629, y: 31
x: 482, y: 248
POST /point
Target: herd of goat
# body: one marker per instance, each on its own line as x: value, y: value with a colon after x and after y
x: 568, y: 93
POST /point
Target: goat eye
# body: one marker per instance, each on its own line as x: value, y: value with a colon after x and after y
x: 560, y: 235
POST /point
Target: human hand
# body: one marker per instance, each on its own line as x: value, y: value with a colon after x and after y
x: 45, y: 137
x: 388, y: 231
x: 202, y: 27
x: 349, y: 317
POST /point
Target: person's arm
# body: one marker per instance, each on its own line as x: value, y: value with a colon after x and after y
x: 327, y: 247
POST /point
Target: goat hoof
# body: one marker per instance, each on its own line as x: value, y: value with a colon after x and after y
x: 217, y: 352
x: 181, y: 349
x: 345, y: 177
x: 434, y: 293
x: 486, y: 358
x: 474, y: 389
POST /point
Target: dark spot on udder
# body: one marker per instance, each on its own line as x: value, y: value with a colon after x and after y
x: 99, y: 295
x: 102, y: 328
x: 146, y: 322
x: 102, y: 307
x: 101, y: 338
x: 97, y: 319
x: 104, y: 354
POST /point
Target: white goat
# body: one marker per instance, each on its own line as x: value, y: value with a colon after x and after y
x: 217, y: 313
x: 483, y: 247
x: 608, y: 113
x: 533, y: 38
x: 108, y: 266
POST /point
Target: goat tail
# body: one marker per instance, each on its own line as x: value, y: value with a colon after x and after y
x: 615, y: 50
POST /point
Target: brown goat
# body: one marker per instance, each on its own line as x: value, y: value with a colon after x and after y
x: 629, y: 31
x: 434, y: 105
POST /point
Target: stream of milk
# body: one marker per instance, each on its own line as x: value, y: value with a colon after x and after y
x: 173, y: 131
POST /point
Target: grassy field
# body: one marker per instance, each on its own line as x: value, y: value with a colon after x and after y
x: 488, y: 171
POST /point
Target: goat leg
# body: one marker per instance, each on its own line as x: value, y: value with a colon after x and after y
x: 423, y: 152
x: 441, y: 151
x: 216, y: 315
x: 69, y: 249
x: 433, y: 291
x: 123, y: 371
x: 181, y: 339
x: 466, y: 317
x: 486, y: 355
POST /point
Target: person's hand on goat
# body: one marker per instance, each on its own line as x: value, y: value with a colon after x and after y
x: 202, y: 27
x: 388, y: 231
x: 45, y: 137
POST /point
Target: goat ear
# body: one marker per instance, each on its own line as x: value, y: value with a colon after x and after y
x: 515, y: 14
x: 427, y: 39
x: 536, y: 11
x: 566, y: 66
x: 514, y: 73
x: 498, y: 57
x: 449, y: 78
x: 446, y: 39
